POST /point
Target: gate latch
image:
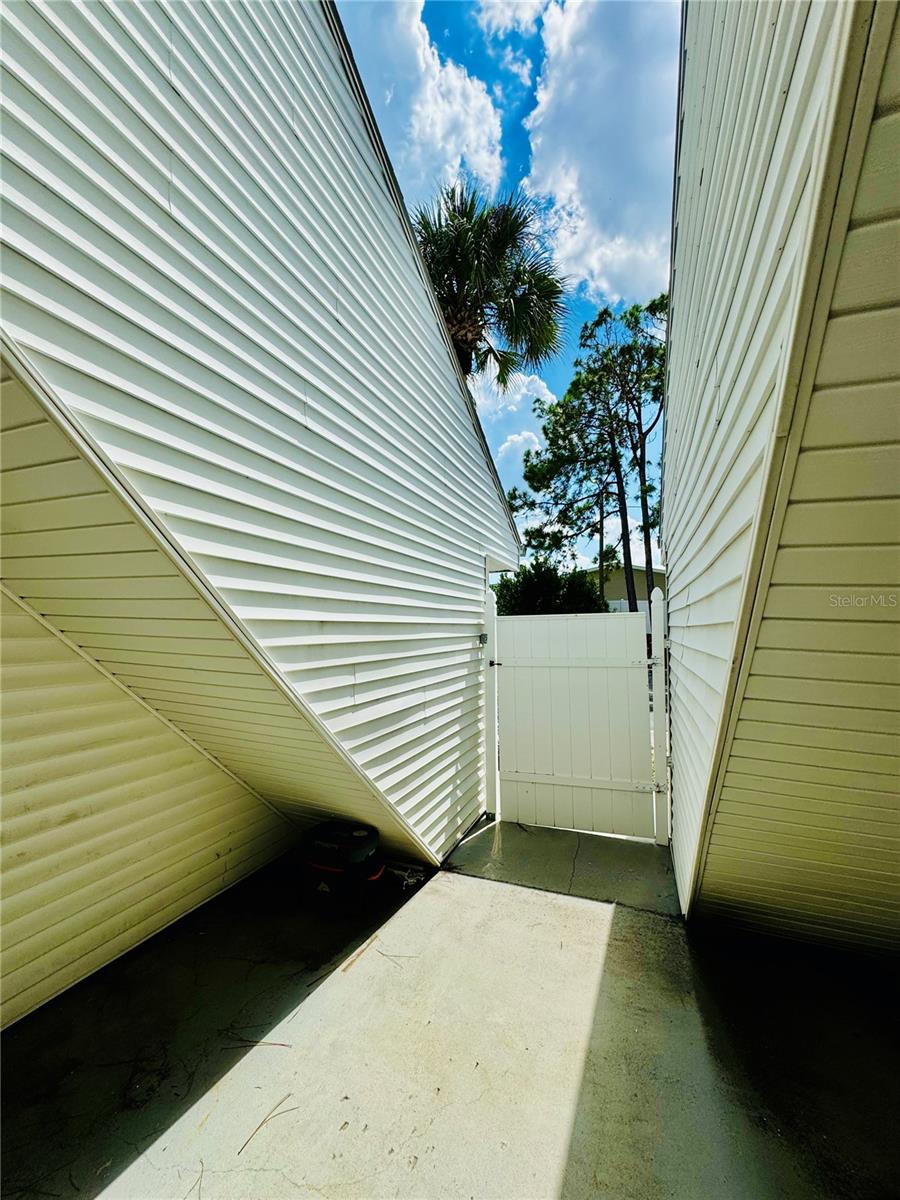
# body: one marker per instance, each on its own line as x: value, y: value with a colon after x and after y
x: 491, y: 663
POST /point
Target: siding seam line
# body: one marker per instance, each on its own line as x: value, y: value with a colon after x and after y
x: 57, y: 633
x: 71, y: 427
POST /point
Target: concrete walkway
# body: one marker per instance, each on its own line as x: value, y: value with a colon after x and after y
x: 636, y: 874
x: 487, y: 1040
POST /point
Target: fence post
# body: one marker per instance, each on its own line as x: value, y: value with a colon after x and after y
x: 660, y: 750
x: 491, y: 728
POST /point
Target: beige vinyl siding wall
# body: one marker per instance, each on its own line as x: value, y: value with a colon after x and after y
x: 206, y: 264
x: 754, y: 95
x: 113, y: 824
x: 806, y: 834
x: 77, y: 555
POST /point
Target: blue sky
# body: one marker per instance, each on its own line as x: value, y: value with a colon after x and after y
x: 574, y: 100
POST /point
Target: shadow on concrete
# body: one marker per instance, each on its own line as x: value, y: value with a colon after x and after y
x: 815, y: 1033
x: 720, y: 1065
x: 714, y: 1066
x: 613, y: 870
x: 94, y: 1076
x: 726, y: 1067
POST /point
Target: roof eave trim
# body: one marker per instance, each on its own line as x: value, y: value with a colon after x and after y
x: 682, y: 47
x: 349, y: 62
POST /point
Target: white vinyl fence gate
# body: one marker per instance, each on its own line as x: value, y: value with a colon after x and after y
x: 575, y: 724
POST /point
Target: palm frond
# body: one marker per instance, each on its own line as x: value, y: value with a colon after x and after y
x: 498, y: 286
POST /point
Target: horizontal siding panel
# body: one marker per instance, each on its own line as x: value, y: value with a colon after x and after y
x: 838, y: 665
x: 854, y: 886
x: 832, y: 826
x: 19, y: 446
x: 786, y: 739
x: 782, y: 803
x: 878, y: 193
x: 869, y: 275
x: 837, y: 790
x: 53, y: 481
x: 814, y: 911
x: 867, y: 866
x: 850, y: 472
x: 834, y: 414
x: 861, y: 566
x: 763, y: 768
x: 852, y: 417
x: 16, y: 408
x: 804, y: 521
x: 802, y: 928
x: 868, y: 602
x: 860, y: 347
x: 860, y: 634
x: 102, y: 806
x: 829, y: 716
x: 169, y: 899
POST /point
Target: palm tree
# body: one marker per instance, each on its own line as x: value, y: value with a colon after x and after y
x: 495, y: 281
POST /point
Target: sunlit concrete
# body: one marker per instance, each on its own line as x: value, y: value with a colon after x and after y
x: 486, y: 1040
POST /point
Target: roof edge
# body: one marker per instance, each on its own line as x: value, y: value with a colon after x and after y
x: 679, y: 103
x: 336, y: 26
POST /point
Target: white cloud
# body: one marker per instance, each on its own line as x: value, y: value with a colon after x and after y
x: 518, y: 63
x: 612, y: 530
x: 602, y: 142
x: 453, y: 120
x: 491, y: 402
x: 437, y: 119
x: 527, y: 520
x: 503, y: 16
x: 586, y: 556
x: 517, y: 443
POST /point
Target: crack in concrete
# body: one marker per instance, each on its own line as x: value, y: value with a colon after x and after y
x: 574, y: 861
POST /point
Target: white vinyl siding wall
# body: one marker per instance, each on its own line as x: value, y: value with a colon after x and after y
x: 77, y: 555
x: 113, y: 824
x: 806, y: 834
x: 756, y: 82
x: 206, y: 265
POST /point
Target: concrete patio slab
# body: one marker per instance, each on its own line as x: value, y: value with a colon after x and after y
x: 485, y: 1041
x: 620, y: 870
